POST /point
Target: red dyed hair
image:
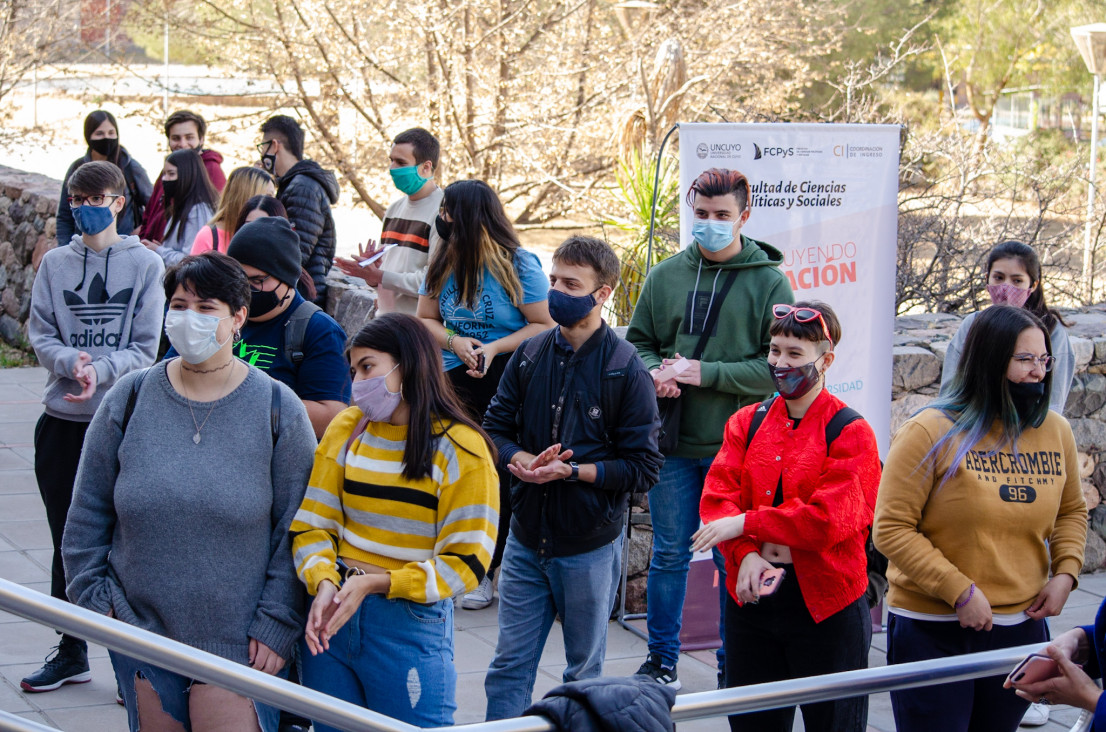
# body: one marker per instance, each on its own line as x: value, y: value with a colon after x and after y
x: 719, y: 182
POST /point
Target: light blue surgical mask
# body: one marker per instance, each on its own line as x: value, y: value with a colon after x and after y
x: 714, y: 236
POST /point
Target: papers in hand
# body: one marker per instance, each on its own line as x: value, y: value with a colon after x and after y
x: 373, y: 258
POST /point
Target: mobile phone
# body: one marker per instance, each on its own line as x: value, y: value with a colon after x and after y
x: 672, y: 370
x: 480, y: 362
x: 770, y: 580
x: 373, y: 258
x: 1033, y: 668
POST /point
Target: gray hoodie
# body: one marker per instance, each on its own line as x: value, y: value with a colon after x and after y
x: 109, y: 304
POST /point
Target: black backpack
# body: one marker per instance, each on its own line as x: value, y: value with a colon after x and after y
x: 877, y: 563
x: 132, y: 399
x: 295, y: 330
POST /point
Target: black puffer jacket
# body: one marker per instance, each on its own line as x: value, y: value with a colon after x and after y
x: 610, y: 704
x: 308, y: 192
x: 139, y: 189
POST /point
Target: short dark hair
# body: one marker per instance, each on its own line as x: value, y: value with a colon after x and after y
x: 719, y: 182
x: 211, y: 275
x: 288, y: 130
x: 185, y: 115
x: 812, y: 329
x: 426, y: 146
x: 99, y: 176
x: 587, y: 251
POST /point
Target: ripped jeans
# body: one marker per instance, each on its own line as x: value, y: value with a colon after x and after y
x: 172, y: 689
x: 394, y: 657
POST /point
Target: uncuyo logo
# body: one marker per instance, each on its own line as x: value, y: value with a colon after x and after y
x: 702, y: 150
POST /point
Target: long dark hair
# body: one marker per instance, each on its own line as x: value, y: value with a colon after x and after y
x: 979, y: 393
x: 433, y: 404
x: 94, y: 120
x: 482, y: 237
x: 193, y: 187
x: 273, y: 207
x: 1011, y: 249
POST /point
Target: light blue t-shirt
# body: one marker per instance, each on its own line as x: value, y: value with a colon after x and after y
x: 494, y: 316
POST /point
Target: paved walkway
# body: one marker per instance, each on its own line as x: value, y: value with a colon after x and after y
x: 25, y: 558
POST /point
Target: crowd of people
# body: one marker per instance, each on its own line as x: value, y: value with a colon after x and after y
x: 323, y: 500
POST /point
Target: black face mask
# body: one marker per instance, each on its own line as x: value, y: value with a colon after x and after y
x: 263, y: 302
x: 106, y: 146
x: 1027, y: 396
x: 170, y: 187
x: 443, y: 227
x: 795, y: 382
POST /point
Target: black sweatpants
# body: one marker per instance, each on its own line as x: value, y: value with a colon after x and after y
x: 975, y: 705
x: 58, y: 444
x: 777, y: 639
x: 476, y: 395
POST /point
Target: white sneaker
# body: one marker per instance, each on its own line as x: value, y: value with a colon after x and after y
x: 1035, y: 716
x: 481, y: 597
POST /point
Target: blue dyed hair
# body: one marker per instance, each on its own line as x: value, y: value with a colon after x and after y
x: 979, y: 393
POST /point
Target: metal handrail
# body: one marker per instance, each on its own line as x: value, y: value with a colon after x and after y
x: 12, y: 723
x: 315, y: 705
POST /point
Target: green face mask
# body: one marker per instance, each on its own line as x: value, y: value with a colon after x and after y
x: 408, y: 180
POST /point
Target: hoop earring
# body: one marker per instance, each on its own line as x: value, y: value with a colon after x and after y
x: 237, y: 338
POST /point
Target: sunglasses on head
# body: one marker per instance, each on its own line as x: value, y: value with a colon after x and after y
x: 801, y: 315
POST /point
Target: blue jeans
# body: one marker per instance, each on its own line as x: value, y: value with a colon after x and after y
x: 394, y: 657
x: 674, y: 509
x: 172, y: 690
x: 532, y: 590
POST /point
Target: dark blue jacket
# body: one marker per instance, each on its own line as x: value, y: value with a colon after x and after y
x: 562, y: 403
x: 632, y: 703
x: 1097, y: 662
x: 307, y: 192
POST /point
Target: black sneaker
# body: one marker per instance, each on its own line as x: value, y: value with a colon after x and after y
x: 654, y: 669
x: 67, y: 665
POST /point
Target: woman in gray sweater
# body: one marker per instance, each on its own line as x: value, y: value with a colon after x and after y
x: 181, y: 508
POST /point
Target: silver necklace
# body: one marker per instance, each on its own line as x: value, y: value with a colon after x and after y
x: 199, y: 426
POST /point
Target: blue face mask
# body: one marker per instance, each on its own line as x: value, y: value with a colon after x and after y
x: 408, y: 180
x: 93, y: 219
x: 714, y: 236
x: 568, y: 310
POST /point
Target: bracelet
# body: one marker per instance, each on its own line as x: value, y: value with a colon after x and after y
x: 449, y: 341
x: 971, y: 591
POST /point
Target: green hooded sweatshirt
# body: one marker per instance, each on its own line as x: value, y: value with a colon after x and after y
x: 669, y: 317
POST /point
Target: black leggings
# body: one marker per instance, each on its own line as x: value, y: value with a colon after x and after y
x: 58, y: 445
x: 777, y: 639
x: 476, y: 395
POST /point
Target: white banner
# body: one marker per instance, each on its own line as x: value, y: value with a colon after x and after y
x: 826, y: 196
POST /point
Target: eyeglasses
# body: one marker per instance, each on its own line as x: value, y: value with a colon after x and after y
x: 93, y: 200
x: 258, y: 281
x: 1029, y: 360
x: 263, y: 147
x: 802, y: 315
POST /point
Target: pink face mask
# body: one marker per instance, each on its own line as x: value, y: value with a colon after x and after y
x: 1007, y: 294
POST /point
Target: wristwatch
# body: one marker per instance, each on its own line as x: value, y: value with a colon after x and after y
x: 575, y: 473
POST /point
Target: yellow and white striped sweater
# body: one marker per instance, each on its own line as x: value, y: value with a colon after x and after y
x: 435, y: 536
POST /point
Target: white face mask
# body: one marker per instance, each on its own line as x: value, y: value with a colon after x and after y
x: 193, y: 335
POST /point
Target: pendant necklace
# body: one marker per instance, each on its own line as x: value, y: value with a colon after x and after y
x: 199, y: 427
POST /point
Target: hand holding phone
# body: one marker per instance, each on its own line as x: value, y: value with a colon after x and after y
x: 1033, y: 668
x: 770, y: 580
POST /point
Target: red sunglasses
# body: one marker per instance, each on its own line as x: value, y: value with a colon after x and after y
x: 802, y: 315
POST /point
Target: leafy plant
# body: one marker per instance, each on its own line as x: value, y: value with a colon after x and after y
x: 634, y: 185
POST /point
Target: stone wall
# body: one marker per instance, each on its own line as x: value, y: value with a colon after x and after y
x: 28, y: 203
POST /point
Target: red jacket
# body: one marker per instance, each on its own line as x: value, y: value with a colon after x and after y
x: 828, y: 499
x: 153, y: 223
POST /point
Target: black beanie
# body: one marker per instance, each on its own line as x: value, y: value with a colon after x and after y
x: 270, y: 245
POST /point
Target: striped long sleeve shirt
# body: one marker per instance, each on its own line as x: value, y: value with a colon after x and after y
x: 435, y: 536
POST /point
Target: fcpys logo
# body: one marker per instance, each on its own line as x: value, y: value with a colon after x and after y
x: 771, y: 152
x: 100, y: 307
x: 262, y: 357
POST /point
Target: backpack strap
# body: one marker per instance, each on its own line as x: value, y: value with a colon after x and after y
x: 214, y: 237
x: 844, y: 417
x: 758, y: 416
x: 132, y: 399
x: 530, y: 353
x: 612, y: 381
x: 296, y: 329
x: 274, y: 412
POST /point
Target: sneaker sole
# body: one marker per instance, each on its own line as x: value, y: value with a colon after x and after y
x: 475, y: 604
x: 82, y: 678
